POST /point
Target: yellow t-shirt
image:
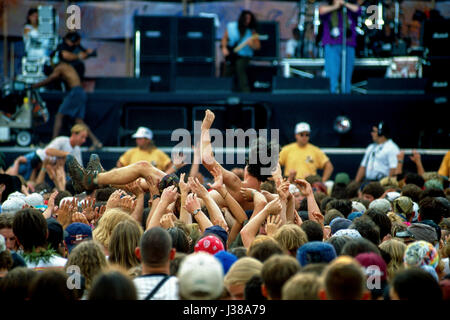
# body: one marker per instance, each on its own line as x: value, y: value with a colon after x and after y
x: 305, y: 160
x: 444, y: 169
x: 155, y: 156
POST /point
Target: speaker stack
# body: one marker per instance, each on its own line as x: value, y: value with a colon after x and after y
x: 166, y: 47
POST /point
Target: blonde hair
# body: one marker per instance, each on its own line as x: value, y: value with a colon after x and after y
x: 291, y: 237
x: 89, y: 257
x: 106, y: 224
x: 242, y: 271
x: 396, y: 250
x: 79, y: 127
x: 124, y: 240
x: 259, y: 239
x: 302, y: 286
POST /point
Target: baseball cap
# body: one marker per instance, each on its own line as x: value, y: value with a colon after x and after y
x: 200, y: 277
x: 34, y: 199
x: 143, y: 132
x: 419, y: 231
x: 226, y: 259
x: 371, y: 259
x: 358, y: 206
x: 338, y: 224
x: 13, y: 205
x: 315, y: 252
x: 403, y: 205
x: 302, y: 127
x: 75, y: 233
x: 210, y: 244
x: 380, y: 204
x: 342, y: 177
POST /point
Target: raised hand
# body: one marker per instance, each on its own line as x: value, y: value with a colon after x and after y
x: 218, y: 179
x: 184, y: 187
x: 298, y: 220
x: 169, y: 195
x: 179, y: 160
x: 50, y: 205
x: 273, y: 224
x: 168, y: 221
x: 283, y: 191
x: 79, y: 217
x: 134, y: 188
x: 269, y: 196
x: 152, y: 186
x: 317, y: 216
x: 416, y: 157
x: 65, y: 211
x: 127, y: 204
x: 274, y: 206
x: 198, y: 188
x: 304, y: 187
x: 221, y: 223
x: 114, y: 199
x: 192, y: 203
x: 401, y: 156
x: 292, y: 175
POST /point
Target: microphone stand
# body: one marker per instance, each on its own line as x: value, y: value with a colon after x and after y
x: 344, y: 49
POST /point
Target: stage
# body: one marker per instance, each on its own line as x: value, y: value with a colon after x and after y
x: 417, y: 121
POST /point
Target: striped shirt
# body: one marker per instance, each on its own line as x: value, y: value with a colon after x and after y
x: 145, y: 284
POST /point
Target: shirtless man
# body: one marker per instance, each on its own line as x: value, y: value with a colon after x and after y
x: 74, y: 103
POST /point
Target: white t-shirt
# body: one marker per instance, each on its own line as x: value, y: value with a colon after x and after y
x: 379, y: 159
x: 62, y: 144
x: 54, y: 262
x: 145, y: 284
x: 291, y: 46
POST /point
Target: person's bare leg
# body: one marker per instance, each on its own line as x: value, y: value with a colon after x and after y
x: 91, y: 135
x: 229, y: 178
x: 124, y: 175
x: 58, y: 124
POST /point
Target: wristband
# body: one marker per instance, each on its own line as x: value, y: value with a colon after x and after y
x: 196, y: 211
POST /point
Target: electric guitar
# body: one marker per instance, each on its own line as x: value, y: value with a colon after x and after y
x: 233, y: 50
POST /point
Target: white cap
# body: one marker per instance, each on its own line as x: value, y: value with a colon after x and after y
x: 13, y: 205
x: 391, y: 196
x: 200, y: 273
x: 34, y: 199
x: 358, y: 206
x: 2, y: 244
x: 17, y: 194
x: 302, y: 127
x: 143, y: 132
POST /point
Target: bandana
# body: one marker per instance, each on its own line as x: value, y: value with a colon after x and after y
x: 209, y: 244
x: 420, y: 253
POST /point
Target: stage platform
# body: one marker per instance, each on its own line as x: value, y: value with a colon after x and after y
x: 416, y: 120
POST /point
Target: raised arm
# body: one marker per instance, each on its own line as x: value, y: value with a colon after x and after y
x: 168, y: 196
x: 313, y: 209
x: 193, y: 207
x: 250, y: 230
x: 417, y: 159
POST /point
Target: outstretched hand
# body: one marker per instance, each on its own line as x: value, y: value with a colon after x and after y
x: 304, y: 187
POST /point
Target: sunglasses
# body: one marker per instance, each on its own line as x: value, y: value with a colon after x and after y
x: 304, y: 134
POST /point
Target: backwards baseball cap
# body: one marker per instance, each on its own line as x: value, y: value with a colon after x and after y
x: 302, y: 127
x: 143, y: 132
x: 13, y: 205
x: 200, y: 277
x: 75, y: 233
x: 381, y: 204
x: 210, y: 244
x: 369, y: 260
x: 34, y: 199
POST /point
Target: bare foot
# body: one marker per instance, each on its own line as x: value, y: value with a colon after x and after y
x: 208, y: 120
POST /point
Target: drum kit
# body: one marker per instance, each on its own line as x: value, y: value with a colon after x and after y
x: 378, y: 29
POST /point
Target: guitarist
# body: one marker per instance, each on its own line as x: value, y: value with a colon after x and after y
x: 238, y: 43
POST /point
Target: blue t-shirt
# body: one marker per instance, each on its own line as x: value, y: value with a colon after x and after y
x: 234, y: 38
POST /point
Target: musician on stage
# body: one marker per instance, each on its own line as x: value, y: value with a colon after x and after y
x: 331, y: 16
x: 242, y: 35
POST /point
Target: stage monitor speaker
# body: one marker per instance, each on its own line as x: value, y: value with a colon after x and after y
x: 269, y: 37
x: 155, y: 36
x: 436, y: 36
x: 283, y: 85
x: 195, y: 38
x: 396, y: 86
x: 200, y: 68
x: 122, y: 84
x: 260, y: 77
x: 204, y: 84
x: 161, y: 73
